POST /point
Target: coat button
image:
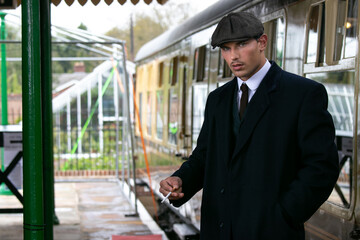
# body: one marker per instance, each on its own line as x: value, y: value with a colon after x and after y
x: 221, y: 225
x: 222, y: 191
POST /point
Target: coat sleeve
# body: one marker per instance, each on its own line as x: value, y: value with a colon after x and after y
x: 192, y: 171
x: 319, y: 167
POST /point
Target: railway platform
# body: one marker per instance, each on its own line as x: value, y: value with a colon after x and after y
x: 87, y: 210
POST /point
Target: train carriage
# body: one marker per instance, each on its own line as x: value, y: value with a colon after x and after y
x: 315, y: 39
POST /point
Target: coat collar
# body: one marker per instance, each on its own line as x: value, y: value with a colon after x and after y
x: 257, y: 107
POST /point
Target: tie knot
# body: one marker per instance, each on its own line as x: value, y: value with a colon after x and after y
x: 244, y: 87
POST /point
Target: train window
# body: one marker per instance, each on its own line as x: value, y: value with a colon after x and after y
x: 173, y: 116
x: 161, y: 74
x: 316, y: 32
x: 351, y: 26
x: 226, y: 70
x: 148, y: 113
x: 200, y: 91
x: 339, y: 33
x: 220, y: 63
x: 199, y: 64
x: 223, y: 68
x: 340, y: 88
x: 159, y: 113
x: 346, y: 25
x: 140, y: 108
x: 275, y: 30
x: 174, y: 64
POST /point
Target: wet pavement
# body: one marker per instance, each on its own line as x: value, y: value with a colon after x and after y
x: 86, y: 211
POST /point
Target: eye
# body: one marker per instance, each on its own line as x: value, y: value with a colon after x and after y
x: 225, y: 48
x: 242, y: 44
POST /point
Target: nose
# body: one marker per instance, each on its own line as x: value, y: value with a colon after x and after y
x: 234, y: 54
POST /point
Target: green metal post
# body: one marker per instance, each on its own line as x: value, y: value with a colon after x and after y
x: 46, y: 88
x: 4, y: 111
x: 32, y: 121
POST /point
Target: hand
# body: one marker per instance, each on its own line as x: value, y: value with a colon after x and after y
x: 173, y: 185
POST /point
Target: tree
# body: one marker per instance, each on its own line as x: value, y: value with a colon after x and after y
x: 82, y: 26
x: 72, y: 50
x: 147, y: 27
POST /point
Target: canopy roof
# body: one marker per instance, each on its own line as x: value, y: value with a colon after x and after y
x: 96, y: 2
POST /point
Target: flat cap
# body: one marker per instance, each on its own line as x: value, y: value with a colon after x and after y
x: 236, y: 27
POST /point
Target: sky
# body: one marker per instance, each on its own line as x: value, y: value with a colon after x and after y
x: 101, y: 18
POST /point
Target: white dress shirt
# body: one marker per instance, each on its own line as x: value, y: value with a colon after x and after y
x: 253, y: 82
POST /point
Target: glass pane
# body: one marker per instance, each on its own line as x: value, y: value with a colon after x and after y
x: 199, y: 101
x: 340, y: 88
x: 148, y: 113
x: 173, y: 71
x: 275, y: 30
x: 280, y: 36
x: 223, y: 68
x: 199, y: 63
x: 313, y: 34
x: 351, y: 26
x: 322, y: 26
x: 213, y: 65
x: 227, y: 71
x: 339, y: 35
x: 196, y: 60
x: 159, y: 114
x: 269, y: 30
x: 108, y: 100
x: 140, y: 109
x: 173, y: 116
x: 161, y: 74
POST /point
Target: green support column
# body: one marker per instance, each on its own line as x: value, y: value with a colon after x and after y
x: 32, y: 121
x: 4, y: 111
x: 46, y: 87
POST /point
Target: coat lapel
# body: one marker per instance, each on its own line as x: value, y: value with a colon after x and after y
x: 256, y: 108
x: 224, y: 118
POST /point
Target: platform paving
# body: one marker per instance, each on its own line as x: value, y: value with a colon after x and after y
x: 86, y: 211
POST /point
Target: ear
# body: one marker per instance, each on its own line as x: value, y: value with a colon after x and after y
x: 263, y: 42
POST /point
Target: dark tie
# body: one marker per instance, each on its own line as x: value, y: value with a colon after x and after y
x: 244, y: 99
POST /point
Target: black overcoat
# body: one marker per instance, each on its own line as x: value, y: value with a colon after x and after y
x: 268, y: 178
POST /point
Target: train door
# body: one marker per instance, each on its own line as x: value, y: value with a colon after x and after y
x: 160, y: 103
x: 330, y: 58
x: 173, y: 102
x: 185, y: 133
x: 199, y: 91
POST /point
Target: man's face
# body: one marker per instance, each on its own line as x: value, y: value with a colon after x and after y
x: 245, y: 58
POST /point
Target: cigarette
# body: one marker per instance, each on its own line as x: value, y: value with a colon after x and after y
x: 167, y: 196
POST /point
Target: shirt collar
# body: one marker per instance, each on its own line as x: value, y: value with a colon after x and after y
x: 254, y: 81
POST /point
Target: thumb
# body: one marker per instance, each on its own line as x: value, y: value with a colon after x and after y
x: 176, y: 184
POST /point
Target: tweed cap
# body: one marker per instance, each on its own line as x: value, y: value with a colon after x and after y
x: 236, y: 27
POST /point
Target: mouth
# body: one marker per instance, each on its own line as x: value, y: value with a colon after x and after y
x: 237, y: 66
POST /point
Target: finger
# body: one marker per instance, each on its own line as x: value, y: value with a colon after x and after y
x: 165, y: 187
x: 176, y: 196
x: 175, y: 183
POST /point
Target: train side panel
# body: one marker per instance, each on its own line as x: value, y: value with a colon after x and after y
x: 315, y: 39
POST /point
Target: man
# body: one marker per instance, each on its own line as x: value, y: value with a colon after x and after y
x: 265, y: 172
